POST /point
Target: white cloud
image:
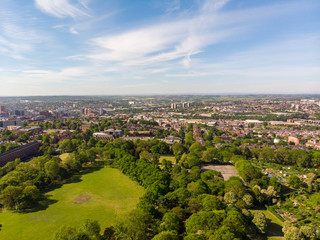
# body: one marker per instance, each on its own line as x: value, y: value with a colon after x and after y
x: 191, y: 74
x: 16, y: 36
x: 175, y: 49
x: 157, y: 70
x: 172, y: 6
x: 179, y: 38
x: 187, y: 61
x: 61, y: 8
x: 71, y: 74
x: 182, y: 37
x: 73, y: 31
x: 298, y: 53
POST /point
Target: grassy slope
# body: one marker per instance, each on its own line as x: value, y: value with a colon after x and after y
x: 274, y: 231
x: 112, y: 195
x: 64, y: 156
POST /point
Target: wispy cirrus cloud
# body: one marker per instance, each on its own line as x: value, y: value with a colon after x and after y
x: 16, y: 36
x: 62, y: 8
x: 179, y: 38
x: 224, y: 45
x: 183, y: 37
x: 71, y: 74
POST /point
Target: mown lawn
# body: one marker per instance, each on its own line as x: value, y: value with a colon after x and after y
x: 64, y: 156
x: 105, y: 195
x: 168, y: 158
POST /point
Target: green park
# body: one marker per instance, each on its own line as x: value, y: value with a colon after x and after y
x: 102, y: 194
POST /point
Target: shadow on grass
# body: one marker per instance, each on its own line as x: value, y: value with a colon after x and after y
x: 274, y: 229
x: 45, y: 200
x: 42, y: 205
x: 73, y: 179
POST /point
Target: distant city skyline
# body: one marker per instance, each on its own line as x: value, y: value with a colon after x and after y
x: 146, y: 47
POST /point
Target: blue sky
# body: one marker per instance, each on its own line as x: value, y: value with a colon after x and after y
x: 84, y: 47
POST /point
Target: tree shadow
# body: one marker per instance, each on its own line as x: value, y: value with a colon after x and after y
x: 42, y: 204
x: 76, y: 178
x: 274, y: 229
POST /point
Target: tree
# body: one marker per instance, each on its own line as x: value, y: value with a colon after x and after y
x: 211, y: 176
x: 11, y: 196
x: 30, y: 195
x: 294, y: 181
x: 135, y: 227
x: 269, y: 193
x: 65, y: 233
x: 160, y: 148
x: 211, y: 203
x: 217, y: 140
x: 248, y: 199
x: 191, y: 161
x: 247, y: 171
x: 206, y: 222
x: 308, y: 233
x: 194, y: 236
x: 257, y: 194
x: 52, y: 169
x: 91, y: 228
x: 109, y: 233
x: 236, y: 223
x: 196, y: 147
x: 291, y: 232
x: 194, y: 173
x: 266, y: 154
x: 211, y: 155
x: 223, y: 233
x: 178, y: 149
x: 260, y: 221
x: 170, y: 222
x: 275, y: 183
x: 166, y: 235
x: 196, y: 188
x: 72, y: 163
x: 66, y: 146
x: 2, y: 149
x: 235, y: 185
x: 230, y: 198
x: 194, y: 205
x: 189, y: 139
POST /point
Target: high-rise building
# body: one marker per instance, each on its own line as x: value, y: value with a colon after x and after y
x: 2, y: 109
x: 185, y: 104
x: 17, y: 112
x: 86, y: 111
x: 102, y: 111
x: 174, y: 105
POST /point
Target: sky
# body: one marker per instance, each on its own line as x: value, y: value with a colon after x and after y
x: 145, y: 47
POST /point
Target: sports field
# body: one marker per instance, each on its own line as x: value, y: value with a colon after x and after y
x: 227, y: 171
x: 105, y: 195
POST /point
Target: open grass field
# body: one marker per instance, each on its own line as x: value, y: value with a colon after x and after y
x: 168, y: 158
x: 64, y: 156
x: 105, y: 195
